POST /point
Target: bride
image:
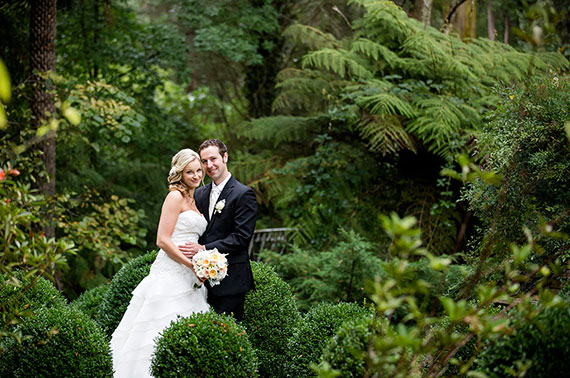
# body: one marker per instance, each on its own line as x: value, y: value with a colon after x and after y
x: 168, y: 290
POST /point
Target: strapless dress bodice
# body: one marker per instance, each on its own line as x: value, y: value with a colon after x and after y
x: 189, y: 226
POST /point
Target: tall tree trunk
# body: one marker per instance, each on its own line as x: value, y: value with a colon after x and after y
x: 490, y: 20
x: 464, y: 20
x: 422, y: 11
x: 42, y: 60
x: 507, y: 27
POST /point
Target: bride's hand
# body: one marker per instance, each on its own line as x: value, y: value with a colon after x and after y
x: 201, y: 280
x: 190, y: 249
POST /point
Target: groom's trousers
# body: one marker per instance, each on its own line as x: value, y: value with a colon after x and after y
x: 228, y: 304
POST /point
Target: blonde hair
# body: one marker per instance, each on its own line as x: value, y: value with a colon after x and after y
x: 179, y: 162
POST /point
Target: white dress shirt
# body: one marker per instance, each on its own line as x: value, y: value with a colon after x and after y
x: 215, y: 193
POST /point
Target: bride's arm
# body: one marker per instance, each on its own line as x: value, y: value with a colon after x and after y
x: 171, y: 208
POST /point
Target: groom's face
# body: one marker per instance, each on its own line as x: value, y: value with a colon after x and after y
x: 216, y: 165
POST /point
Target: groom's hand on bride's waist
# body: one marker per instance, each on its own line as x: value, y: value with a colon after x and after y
x: 190, y: 249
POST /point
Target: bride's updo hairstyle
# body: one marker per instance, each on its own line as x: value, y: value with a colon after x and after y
x: 179, y: 162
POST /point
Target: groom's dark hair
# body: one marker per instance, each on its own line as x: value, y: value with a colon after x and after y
x: 216, y: 143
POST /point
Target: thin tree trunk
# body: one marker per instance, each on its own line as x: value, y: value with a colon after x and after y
x: 42, y: 60
x: 507, y: 27
x: 422, y: 11
x: 490, y: 20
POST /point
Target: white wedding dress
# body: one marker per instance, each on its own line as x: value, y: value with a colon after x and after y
x: 168, y: 291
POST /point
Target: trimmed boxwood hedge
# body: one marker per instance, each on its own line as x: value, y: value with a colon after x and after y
x: 90, y: 300
x: 317, y: 327
x: 346, y: 351
x: 62, y: 342
x: 204, y: 345
x: 31, y: 297
x: 270, y: 317
x: 543, y: 342
x: 118, y: 296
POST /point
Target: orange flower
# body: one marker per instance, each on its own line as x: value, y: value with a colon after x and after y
x: 13, y: 172
x: 2, y: 174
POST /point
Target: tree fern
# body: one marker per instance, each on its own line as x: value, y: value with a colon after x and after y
x: 385, y: 134
x: 375, y: 51
x: 442, y: 119
x: 385, y: 104
x: 311, y: 37
x: 340, y: 61
x: 280, y: 129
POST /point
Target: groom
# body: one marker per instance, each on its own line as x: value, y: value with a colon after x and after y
x: 230, y: 209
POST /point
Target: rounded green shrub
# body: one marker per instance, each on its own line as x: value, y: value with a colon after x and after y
x: 90, y: 300
x: 541, y: 345
x: 62, y: 342
x: 317, y: 327
x: 270, y: 318
x: 204, y: 345
x: 30, y: 294
x: 118, y: 296
x: 347, y: 349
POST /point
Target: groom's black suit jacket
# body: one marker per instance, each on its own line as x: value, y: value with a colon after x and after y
x: 230, y: 231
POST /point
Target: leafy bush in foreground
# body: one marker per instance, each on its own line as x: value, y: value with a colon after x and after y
x: 120, y: 290
x: 23, y: 293
x: 539, y: 347
x: 204, y: 345
x: 90, y: 300
x: 346, y: 351
x: 270, y: 318
x: 63, y: 342
x: 314, y: 332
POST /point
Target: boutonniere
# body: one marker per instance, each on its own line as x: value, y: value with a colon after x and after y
x: 219, y: 206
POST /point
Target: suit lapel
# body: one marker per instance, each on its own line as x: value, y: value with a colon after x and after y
x: 223, y: 195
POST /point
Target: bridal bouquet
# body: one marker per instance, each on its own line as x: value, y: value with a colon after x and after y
x: 210, y: 264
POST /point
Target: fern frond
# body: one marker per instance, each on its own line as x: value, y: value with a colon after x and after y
x: 294, y: 99
x: 422, y: 46
x: 440, y: 122
x: 280, y: 129
x: 257, y: 171
x: 311, y: 37
x: 389, y: 21
x: 385, y: 134
x: 384, y: 104
x: 375, y: 51
x: 373, y: 85
x: 341, y: 62
x: 555, y: 59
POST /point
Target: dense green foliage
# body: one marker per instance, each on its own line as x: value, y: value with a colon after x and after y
x: 61, y: 342
x: 204, y: 345
x: 333, y: 276
x: 22, y: 295
x: 369, y: 106
x: 525, y: 141
x: 119, y: 293
x: 357, y: 105
x: 538, y: 347
x: 90, y: 300
x: 346, y: 351
x: 318, y: 325
x: 270, y: 317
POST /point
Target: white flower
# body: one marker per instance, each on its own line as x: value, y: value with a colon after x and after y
x: 219, y: 206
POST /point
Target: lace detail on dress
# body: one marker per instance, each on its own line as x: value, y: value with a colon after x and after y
x: 189, y: 226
